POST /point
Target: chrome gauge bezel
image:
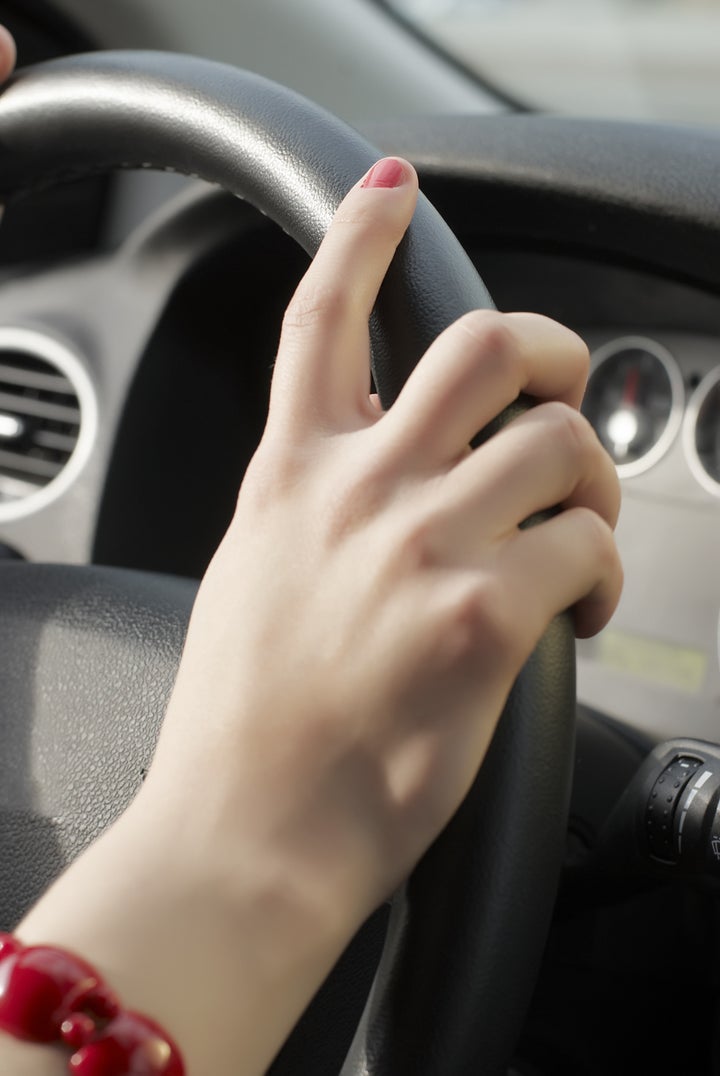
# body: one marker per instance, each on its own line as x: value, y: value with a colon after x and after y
x: 692, y: 414
x: 677, y: 396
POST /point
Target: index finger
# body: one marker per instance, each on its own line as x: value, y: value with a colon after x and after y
x: 323, y: 364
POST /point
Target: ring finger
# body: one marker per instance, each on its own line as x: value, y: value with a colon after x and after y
x: 549, y: 456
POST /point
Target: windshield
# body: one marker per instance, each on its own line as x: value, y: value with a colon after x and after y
x: 639, y: 59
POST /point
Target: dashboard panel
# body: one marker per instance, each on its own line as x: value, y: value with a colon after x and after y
x: 657, y: 663
x: 173, y: 335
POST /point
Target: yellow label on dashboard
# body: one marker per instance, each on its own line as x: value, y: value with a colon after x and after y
x: 663, y: 663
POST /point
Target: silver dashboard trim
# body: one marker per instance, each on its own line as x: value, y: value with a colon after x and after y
x: 61, y: 355
x: 689, y: 426
x: 677, y: 396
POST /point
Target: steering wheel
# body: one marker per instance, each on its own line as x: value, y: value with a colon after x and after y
x: 88, y: 655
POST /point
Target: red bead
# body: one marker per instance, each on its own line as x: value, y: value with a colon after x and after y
x: 8, y: 945
x: 41, y: 987
x: 77, y: 1030
x: 49, y: 995
x: 130, y: 1045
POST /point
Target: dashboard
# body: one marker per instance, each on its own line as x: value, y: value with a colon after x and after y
x: 123, y: 406
x: 653, y: 399
x: 134, y: 376
x: 133, y: 388
x: 655, y: 368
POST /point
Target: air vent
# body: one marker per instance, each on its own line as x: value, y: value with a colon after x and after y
x: 44, y: 399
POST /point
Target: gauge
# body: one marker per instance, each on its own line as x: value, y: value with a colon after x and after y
x: 701, y: 435
x: 634, y: 401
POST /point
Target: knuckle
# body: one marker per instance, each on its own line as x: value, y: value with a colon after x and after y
x: 614, y: 493
x: 574, y: 429
x: 345, y: 514
x: 479, y: 619
x: 494, y: 341
x: 354, y: 500
x: 598, y: 540
x: 315, y: 306
x: 565, y: 337
x: 561, y: 338
x: 363, y: 216
x: 371, y: 220
x: 490, y: 331
x: 417, y: 549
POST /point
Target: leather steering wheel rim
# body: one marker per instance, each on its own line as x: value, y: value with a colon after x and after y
x: 467, y: 932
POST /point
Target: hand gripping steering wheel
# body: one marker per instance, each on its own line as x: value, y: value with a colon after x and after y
x: 88, y: 655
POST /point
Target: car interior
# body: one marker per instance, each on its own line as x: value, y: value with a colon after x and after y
x: 164, y: 192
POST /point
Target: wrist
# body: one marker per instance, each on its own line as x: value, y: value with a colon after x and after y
x: 225, y: 958
x: 278, y: 825
x: 26, y: 1059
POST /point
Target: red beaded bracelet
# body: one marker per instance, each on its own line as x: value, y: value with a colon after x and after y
x: 48, y: 995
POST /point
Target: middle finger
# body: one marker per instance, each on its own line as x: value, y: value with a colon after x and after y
x: 478, y: 366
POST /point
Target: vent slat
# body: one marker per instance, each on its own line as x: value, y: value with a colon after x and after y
x: 59, y: 442
x: 28, y: 405
x: 17, y: 375
x: 38, y: 392
x: 29, y: 465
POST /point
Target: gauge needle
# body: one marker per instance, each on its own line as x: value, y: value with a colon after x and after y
x: 632, y: 381
x: 622, y: 426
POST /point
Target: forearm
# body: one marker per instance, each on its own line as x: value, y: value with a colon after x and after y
x: 225, y: 963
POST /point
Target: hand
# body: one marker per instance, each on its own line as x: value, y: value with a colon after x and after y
x: 350, y: 651
x: 362, y: 623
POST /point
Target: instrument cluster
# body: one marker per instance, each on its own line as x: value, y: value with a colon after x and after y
x: 640, y: 401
